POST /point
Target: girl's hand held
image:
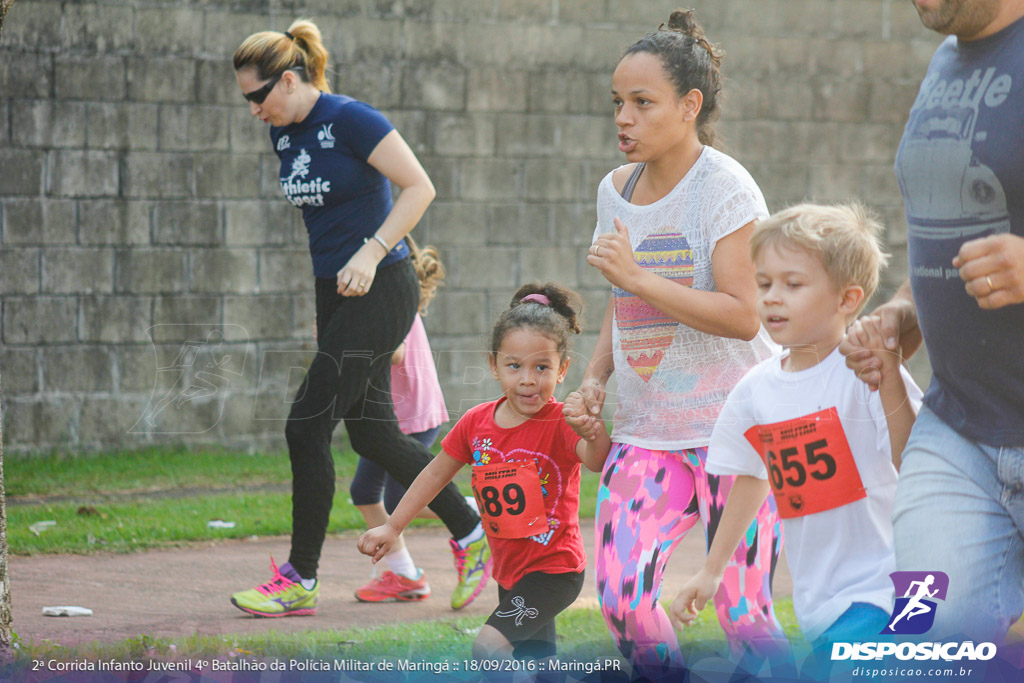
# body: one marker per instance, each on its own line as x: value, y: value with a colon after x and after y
x: 377, y: 542
x: 692, y: 598
x: 578, y: 417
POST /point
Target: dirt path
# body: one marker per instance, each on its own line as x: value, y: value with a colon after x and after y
x: 181, y: 592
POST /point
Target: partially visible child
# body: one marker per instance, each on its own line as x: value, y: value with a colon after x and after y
x: 525, y: 474
x: 803, y: 427
x: 420, y: 409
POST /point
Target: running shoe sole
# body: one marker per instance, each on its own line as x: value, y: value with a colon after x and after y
x: 307, y: 612
x: 401, y: 597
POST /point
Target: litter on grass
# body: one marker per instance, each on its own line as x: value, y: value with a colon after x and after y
x: 39, y: 527
x: 220, y: 524
x: 67, y: 611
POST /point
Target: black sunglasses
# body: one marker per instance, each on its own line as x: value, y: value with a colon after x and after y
x: 259, y: 94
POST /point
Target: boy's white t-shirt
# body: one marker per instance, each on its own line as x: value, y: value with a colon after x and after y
x: 841, y: 555
x: 672, y: 379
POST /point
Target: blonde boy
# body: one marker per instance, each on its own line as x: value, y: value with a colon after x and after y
x: 803, y: 427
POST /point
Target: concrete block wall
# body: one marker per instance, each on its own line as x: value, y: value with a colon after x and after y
x: 155, y: 288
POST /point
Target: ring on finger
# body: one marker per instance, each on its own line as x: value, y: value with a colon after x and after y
x: 991, y: 287
x: 597, y: 250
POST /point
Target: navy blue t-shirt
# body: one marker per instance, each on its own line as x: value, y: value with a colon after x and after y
x: 961, y: 171
x: 324, y: 172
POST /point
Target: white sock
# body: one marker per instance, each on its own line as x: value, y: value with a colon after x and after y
x: 474, y: 536
x: 308, y: 583
x: 471, y: 502
x: 400, y: 562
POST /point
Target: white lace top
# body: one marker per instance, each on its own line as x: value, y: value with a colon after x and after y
x: 672, y: 379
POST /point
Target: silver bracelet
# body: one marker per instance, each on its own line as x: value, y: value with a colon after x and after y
x: 380, y: 239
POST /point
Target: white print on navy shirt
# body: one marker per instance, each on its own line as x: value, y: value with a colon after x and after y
x: 325, y: 136
x: 519, y: 611
x: 300, y: 193
x: 950, y: 193
x: 300, y: 166
x: 283, y: 143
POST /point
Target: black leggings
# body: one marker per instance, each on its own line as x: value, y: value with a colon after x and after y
x: 350, y: 380
x: 371, y: 482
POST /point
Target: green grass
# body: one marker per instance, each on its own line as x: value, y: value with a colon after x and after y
x: 135, y: 501
x: 126, y: 527
x: 141, y: 471
x: 123, y: 502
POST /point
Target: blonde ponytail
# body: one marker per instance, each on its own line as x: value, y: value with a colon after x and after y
x: 301, y: 47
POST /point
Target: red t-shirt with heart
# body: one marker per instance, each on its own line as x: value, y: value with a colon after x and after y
x: 541, y: 466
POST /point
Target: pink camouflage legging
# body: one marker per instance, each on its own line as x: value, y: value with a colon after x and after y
x: 647, y: 502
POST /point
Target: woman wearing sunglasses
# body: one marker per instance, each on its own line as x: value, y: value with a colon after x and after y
x: 338, y: 158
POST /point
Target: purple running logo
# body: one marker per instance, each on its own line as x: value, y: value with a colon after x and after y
x: 916, y: 593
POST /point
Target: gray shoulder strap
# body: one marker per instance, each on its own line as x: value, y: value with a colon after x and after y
x: 627, y: 189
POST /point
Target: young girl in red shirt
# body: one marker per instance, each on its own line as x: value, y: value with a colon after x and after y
x: 525, y: 461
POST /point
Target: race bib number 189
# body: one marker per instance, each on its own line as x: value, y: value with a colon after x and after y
x: 810, y: 465
x: 510, y: 499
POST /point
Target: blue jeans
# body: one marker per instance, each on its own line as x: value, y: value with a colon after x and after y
x: 860, y: 621
x: 960, y: 510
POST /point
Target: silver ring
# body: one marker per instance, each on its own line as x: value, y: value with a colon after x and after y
x: 597, y: 250
x: 991, y: 287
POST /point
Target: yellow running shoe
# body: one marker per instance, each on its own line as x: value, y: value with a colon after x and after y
x: 473, y: 565
x: 282, y: 596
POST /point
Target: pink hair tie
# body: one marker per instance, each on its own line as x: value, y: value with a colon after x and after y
x: 536, y: 298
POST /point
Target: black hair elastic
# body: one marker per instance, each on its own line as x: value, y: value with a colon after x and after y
x: 290, y: 36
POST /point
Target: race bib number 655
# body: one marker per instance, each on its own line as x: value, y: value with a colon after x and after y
x: 510, y: 499
x: 810, y: 465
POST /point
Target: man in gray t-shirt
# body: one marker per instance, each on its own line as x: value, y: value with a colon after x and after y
x: 960, y: 503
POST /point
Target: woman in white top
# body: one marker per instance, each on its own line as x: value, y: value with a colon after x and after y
x: 680, y: 330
